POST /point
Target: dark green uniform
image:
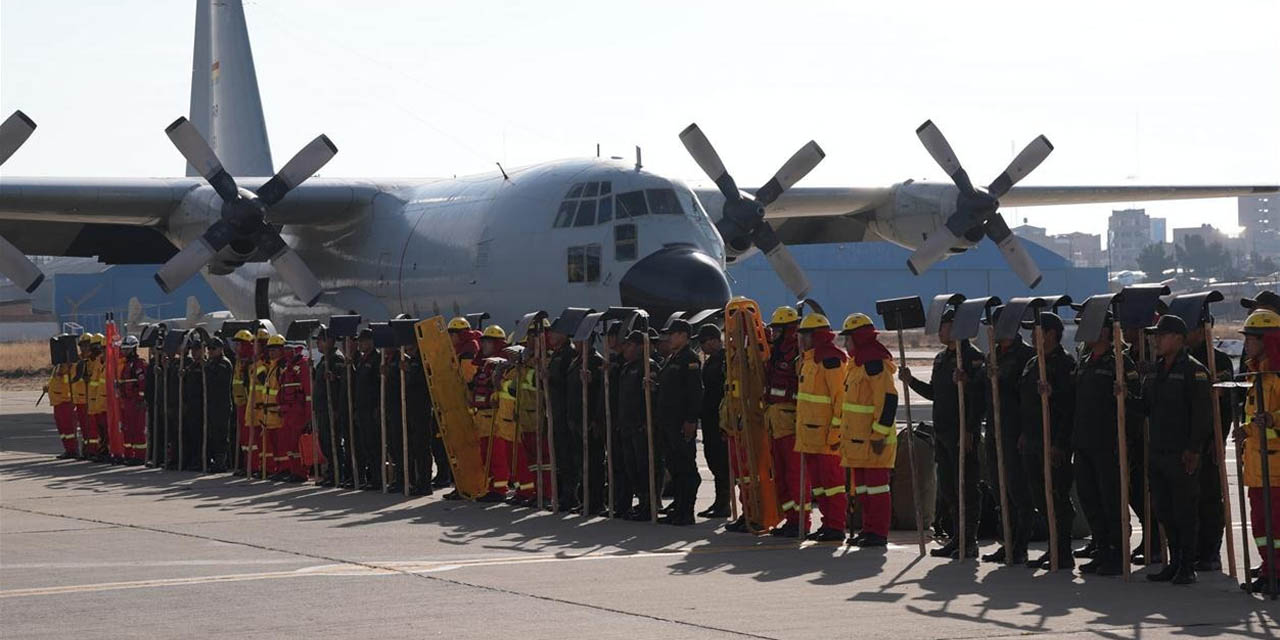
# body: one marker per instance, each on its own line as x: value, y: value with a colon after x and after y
x: 1097, y: 463
x: 568, y: 452
x: 331, y: 368
x: 1209, y: 537
x: 417, y: 402
x: 218, y: 372
x: 632, y: 443
x: 679, y: 401
x: 1022, y: 511
x: 714, y: 448
x: 1059, y: 366
x: 368, y: 426
x: 1176, y: 397
x: 595, y: 431
x: 395, y: 431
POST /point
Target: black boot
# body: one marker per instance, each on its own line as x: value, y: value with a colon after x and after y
x: 945, y: 550
x: 1168, y: 572
x: 1087, y: 551
x: 1109, y: 562
x: 1186, y: 574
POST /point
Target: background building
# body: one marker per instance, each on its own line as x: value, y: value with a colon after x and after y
x: 1128, y: 233
x: 1158, y: 231
x: 1260, y: 217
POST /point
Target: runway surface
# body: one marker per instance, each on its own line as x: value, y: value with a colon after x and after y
x: 94, y: 551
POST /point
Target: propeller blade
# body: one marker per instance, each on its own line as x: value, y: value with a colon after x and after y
x: 194, y: 256
x: 301, y: 166
x: 707, y: 158
x: 196, y: 150
x: 932, y: 250
x: 18, y: 268
x: 291, y: 268
x: 797, y: 167
x: 1025, y: 163
x: 938, y: 147
x: 13, y: 132
x: 1012, y: 249
x: 780, y: 258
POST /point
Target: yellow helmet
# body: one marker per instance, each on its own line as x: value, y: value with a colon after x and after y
x: 275, y: 341
x: 243, y: 335
x: 1261, y: 321
x: 784, y: 315
x: 856, y: 321
x: 494, y: 331
x: 814, y: 321
x: 263, y: 334
x: 459, y: 324
x: 99, y: 339
x: 85, y: 338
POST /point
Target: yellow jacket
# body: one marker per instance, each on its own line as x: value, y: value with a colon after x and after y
x: 80, y: 381
x: 529, y: 402
x: 59, y: 388
x: 270, y: 397
x: 817, y: 402
x: 97, y: 373
x: 1253, y: 436
x: 505, y: 418
x: 867, y: 409
x: 239, y: 390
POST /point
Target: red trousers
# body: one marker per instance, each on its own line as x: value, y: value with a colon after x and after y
x: 541, y: 477
x: 242, y: 435
x: 64, y: 418
x: 739, y: 470
x: 524, y: 484
x: 133, y: 428
x: 872, y: 490
x: 82, y: 422
x: 825, y: 477
x: 95, y: 434
x: 1259, y: 526
x: 252, y: 447
x: 284, y: 445
x: 786, y: 471
x: 499, y: 465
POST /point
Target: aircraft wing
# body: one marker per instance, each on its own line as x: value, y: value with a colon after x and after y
x: 1036, y: 196
x: 122, y: 220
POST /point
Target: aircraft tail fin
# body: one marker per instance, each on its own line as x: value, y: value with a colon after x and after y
x: 226, y: 107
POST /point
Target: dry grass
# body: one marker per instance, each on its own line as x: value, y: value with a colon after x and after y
x: 24, y: 365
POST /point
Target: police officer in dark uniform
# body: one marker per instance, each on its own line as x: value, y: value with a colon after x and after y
x: 632, y: 445
x: 1136, y: 439
x: 1094, y: 442
x: 1209, y: 537
x: 391, y: 362
x: 217, y: 384
x: 619, y: 483
x: 1059, y: 367
x: 365, y: 367
x: 193, y: 417
x: 945, y: 394
x: 679, y: 405
x: 1012, y: 356
x: 595, y: 428
x: 174, y: 369
x: 331, y: 370
x: 715, y: 450
x: 155, y: 408
x: 1176, y: 398
x: 568, y: 451
x: 417, y: 402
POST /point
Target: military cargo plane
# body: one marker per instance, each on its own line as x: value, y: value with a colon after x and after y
x: 586, y: 232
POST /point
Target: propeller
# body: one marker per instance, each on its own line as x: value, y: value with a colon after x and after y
x: 14, y: 264
x: 742, y: 222
x: 978, y: 212
x: 243, y: 216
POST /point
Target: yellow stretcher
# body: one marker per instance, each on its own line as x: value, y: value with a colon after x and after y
x: 746, y: 352
x: 451, y: 409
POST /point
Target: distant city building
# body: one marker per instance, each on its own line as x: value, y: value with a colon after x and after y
x: 1084, y: 249
x: 1128, y: 233
x: 1158, y: 230
x: 1210, y: 235
x: 1260, y: 217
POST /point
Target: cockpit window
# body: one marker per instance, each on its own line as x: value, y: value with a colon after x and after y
x: 606, y: 188
x: 664, y: 202
x: 586, y: 214
x: 575, y: 191
x: 631, y: 204
x: 605, y: 212
x: 564, y: 217
x: 590, y: 189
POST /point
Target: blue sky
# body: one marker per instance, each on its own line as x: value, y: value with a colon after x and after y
x: 1130, y: 93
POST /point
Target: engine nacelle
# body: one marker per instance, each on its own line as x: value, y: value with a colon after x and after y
x: 916, y: 210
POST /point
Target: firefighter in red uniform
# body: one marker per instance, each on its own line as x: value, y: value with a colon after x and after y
x: 868, y: 438
x: 484, y: 403
x: 240, y: 384
x: 131, y: 388
x: 781, y: 382
x: 294, y: 403
x: 64, y: 413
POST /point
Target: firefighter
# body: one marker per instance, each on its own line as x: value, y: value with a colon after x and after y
x: 466, y: 343
x: 495, y: 451
x: 822, y: 370
x: 1012, y: 356
x: 270, y: 436
x: 943, y: 390
x: 715, y: 447
x: 1176, y: 399
x: 595, y: 461
x: 1095, y: 447
x: 64, y: 413
x: 217, y: 386
x: 240, y: 383
x: 259, y: 365
x: 80, y: 392
x: 330, y: 376
x: 1209, y: 537
x: 418, y: 409
x: 96, y: 408
x: 510, y: 414
x: 131, y: 390
x: 632, y: 417
x: 294, y: 402
x: 781, y: 382
x: 1262, y: 353
x: 868, y: 436
x: 568, y: 452
x: 365, y: 366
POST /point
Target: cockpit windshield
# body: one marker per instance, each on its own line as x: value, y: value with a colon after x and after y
x: 591, y: 203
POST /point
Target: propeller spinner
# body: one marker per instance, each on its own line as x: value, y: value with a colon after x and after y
x: 978, y: 211
x: 742, y: 222
x: 244, y: 213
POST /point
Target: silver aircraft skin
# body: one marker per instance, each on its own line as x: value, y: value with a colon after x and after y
x: 584, y: 232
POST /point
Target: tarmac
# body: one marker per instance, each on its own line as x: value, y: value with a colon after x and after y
x: 95, y: 551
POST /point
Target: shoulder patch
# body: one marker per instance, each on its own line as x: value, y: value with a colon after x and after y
x: 1201, y: 375
x: 874, y: 367
x: 831, y: 363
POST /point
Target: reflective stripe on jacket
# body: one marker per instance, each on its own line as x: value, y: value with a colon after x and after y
x: 868, y: 407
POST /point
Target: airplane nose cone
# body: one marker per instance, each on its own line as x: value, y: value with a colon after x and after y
x: 679, y: 278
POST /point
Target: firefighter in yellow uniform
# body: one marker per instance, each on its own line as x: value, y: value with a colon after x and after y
x: 275, y: 457
x: 240, y: 392
x: 818, y: 399
x: 257, y: 407
x: 80, y: 390
x: 96, y: 436
x: 64, y: 415
x: 868, y: 439
x: 1261, y: 353
x: 495, y: 448
x: 508, y: 424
